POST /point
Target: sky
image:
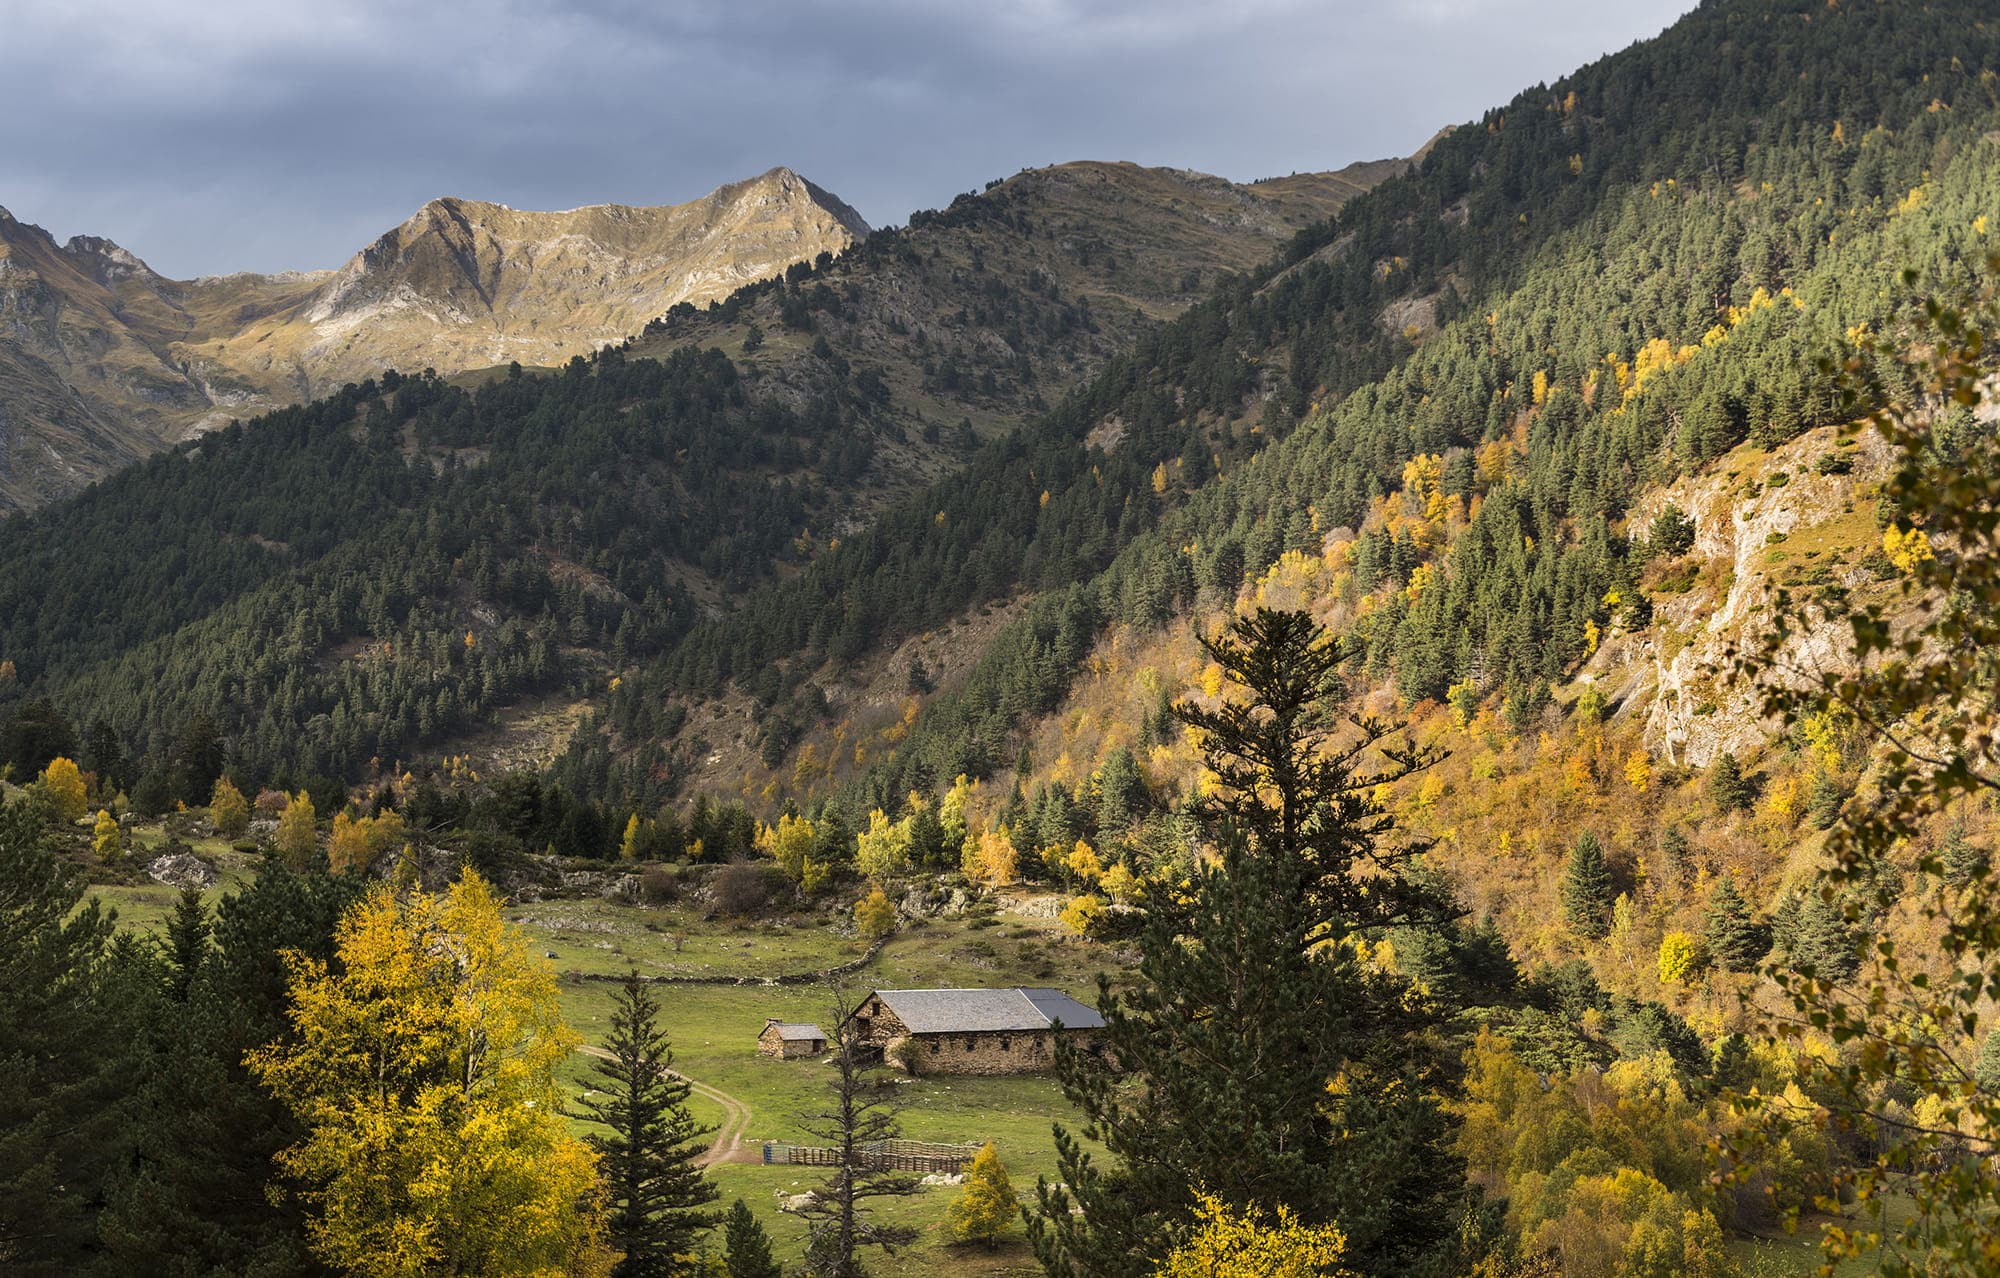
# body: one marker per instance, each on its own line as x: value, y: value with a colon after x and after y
x: 210, y: 136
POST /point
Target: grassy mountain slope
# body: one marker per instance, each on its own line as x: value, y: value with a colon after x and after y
x: 103, y: 361
x: 989, y: 308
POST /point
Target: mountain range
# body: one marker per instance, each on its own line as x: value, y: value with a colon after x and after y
x: 103, y: 360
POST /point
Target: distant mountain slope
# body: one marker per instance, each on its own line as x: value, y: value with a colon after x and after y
x: 310, y: 578
x: 990, y: 308
x: 102, y: 360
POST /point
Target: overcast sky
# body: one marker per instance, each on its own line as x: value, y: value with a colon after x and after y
x: 220, y: 135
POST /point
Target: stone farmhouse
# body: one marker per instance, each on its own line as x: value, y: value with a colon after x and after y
x: 973, y: 1031
x: 790, y: 1042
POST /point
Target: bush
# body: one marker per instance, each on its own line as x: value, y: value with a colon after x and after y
x: 744, y: 889
x: 1672, y: 533
x: 659, y: 885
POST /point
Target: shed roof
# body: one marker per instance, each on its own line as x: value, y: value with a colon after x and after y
x: 972, y: 1011
x: 797, y: 1033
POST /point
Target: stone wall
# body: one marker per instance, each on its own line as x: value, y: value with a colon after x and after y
x: 989, y: 1052
x: 770, y: 1043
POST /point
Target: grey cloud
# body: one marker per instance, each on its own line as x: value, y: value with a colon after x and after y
x: 214, y: 135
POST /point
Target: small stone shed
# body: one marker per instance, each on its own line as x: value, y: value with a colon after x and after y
x: 789, y: 1042
x: 1010, y: 1031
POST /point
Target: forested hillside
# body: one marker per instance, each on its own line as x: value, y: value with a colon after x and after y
x: 344, y: 584
x: 980, y: 313
x: 1609, y: 282
x: 1500, y: 691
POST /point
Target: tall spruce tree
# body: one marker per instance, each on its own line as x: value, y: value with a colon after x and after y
x: 199, y: 1132
x: 55, y: 1079
x: 1961, y: 859
x: 656, y: 1188
x: 1257, y: 1056
x: 860, y: 1112
x: 746, y: 1247
x: 1728, y: 788
x: 186, y: 942
x: 1733, y: 933
x: 1586, y: 889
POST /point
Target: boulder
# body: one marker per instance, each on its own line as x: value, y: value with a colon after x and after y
x: 183, y: 869
x: 1038, y: 907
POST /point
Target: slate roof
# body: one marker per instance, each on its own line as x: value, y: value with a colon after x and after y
x: 975, y: 1011
x: 798, y: 1033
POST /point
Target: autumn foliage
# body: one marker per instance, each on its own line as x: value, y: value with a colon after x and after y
x: 422, y: 1070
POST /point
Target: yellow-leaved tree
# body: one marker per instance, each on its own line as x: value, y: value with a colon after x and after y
x: 789, y: 843
x: 990, y: 858
x: 298, y: 831
x: 986, y: 1207
x: 228, y: 810
x: 875, y: 915
x: 1245, y: 1244
x: 422, y: 1070
x: 106, y: 837
x: 63, y: 781
x: 882, y: 851
x: 358, y: 842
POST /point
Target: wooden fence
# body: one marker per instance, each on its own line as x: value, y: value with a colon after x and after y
x: 880, y: 1155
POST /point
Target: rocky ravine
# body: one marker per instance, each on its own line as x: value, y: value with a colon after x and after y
x: 103, y: 360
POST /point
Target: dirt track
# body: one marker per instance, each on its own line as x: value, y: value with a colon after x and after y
x: 728, y: 1145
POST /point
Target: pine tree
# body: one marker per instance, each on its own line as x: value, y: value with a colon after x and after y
x: 1734, y: 936
x: 1821, y: 940
x: 1960, y: 858
x: 1728, y: 788
x: 1986, y: 1066
x: 656, y: 1188
x: 201, y: 1129
x: 985, y: 1208
x: 859, y: 1113
x: 1587, y: 890
x: 54, y: 1103
x: 1215, y: 1065
x: 1823, y: 803
x: 186, y: 943
x: 747, y: 1248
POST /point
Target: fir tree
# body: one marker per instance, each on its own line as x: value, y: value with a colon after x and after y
x: 1986, y: 1066
x: 1674, y: 854
x: 656, y: 1188
x: 1247, y: 1005
x: 747, y: 1248
x: 1823, y: 802
x: 1586, y: 889
x: 1819, y: 939
x: 55, y: 1134
x: 859, y: 1113
x: 186, y: 943
x: 1728, y: 788
x: 1960, y: 858
x: 1734, y: 936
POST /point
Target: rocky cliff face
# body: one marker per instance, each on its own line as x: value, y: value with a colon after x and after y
x: 102, y: 360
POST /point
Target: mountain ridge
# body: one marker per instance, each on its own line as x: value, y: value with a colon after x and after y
x: 104, y: 360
